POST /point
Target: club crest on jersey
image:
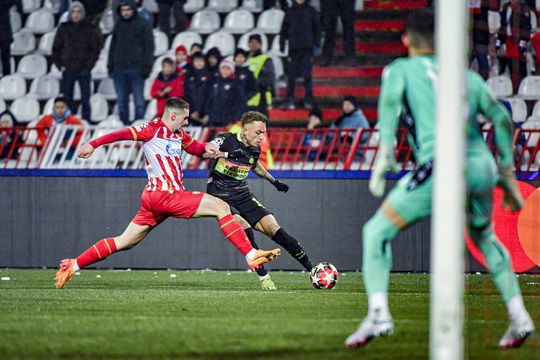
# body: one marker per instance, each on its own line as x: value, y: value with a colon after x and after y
x: 173, y: 150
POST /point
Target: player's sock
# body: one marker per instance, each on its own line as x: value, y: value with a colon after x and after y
x: 293, y: 247
x: 377, y: 234
x: 97, y: 252
x: 236, y: 235
x: 498, y: 261
x: 378, y: 305
x: 516, y: 308
x: 262, y: 277
x: 261, y: 271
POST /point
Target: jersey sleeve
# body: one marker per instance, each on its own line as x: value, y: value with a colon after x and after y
x: 191, y: 145
x: 390, y: 103
x: 491, y: 108
x: 144, y: 132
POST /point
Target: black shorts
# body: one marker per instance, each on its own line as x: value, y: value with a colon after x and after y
x: 251, y: 209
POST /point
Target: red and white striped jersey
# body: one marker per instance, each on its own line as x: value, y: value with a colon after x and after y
x: 163, y: 151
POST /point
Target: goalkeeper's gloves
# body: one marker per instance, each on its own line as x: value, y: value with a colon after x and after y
x: 507, y: 182
x: 385, y: 161
x: 280, y: 185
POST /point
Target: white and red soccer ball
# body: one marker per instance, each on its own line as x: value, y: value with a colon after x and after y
x: 324, y: 275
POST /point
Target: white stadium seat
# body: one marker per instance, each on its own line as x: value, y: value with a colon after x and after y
x: 55, y: 72
x: 192, y: 6
x: 48, y: 107
x: 501, y: 86
x: 278, y: 66
x: 32, y: 66
x: 100, y: 70
x: 12, y: 87
x: 519, y: 109
x: 224, y: 41
x: 148, y: 86
x: 529, y: 88
x: 25, y: 108
x: 151, y: 110
x: 494, y: 21
x: 270, y: 21
x: 533, y: 124
x: 45, y: 87
x: 186, y: 38
x: 106, y: 88
x: 253, y: 5
x: 535, y: 116
x: 29, y: 6
x: 52, y: 5
x: 23, y: 43
x: 15, y: 20
x: 99, y: 106
x: 222, y: 6
x: 40, y: 21
x: 63, y: 17
x: 2, y: 105
x: 205, y: 22
x: 239, y: 22
x: 156, y: 67
x: 106, y: 24
x: 151, y: 6
x: 243, y: 42
x: 46, y: 43
x: 274, y: 50
x: 161, y: 42
x: 111, y: 122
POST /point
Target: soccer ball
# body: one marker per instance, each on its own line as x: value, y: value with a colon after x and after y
x: 324, y: 275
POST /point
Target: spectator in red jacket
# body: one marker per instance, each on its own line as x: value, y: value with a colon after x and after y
x: 167, y: 84
x: 61, y: 115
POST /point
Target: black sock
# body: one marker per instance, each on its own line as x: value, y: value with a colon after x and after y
x: 293, y: 247
x: 261, y: 271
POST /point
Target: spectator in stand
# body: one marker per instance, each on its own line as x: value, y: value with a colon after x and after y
x: 480, y: 36
x: 164, y: 16
x: 262, y: 67
x: 313, y: 139
x: 181, y: 59
x: 144, y: 13
x: 227, y: 101
x: 10, y: 141
x: 302, y: 29
x: 167, y: 84
x: 330, y: 10
x: 197, y: 87
x: 6, y: 35
x: 351, y: 117
x: 94, y: 9
x: 195, y: 48
x: 512, y: 40
x: 61, y: 115
x: 131, y: 57
x: 243, y: 73
x: 535, y: 44
x: 213, y: 59
x: 75, y: 50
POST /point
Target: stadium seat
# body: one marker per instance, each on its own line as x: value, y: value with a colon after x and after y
x: 63, y: 18
x: 48, y: 107
x: 106, y: 24
x: 12, y: 87
x: 151, y: 110
x: 77, y: 90
x: 40, y: 21
x: 534, y: 22
x: 529, y: 88
x: 151, y: 6
x: 274, y: 50
x: 278, y: 66
x: 100, y: 70
x: 148, y: 86
x: 2, y: 105
x: 55, y: 72
x: 239, y: 22
x: 270, y: 21
x: 533, y: 124
x: 15, y: 20
x: 244, y: 40
x: 222, y: 6
x: 253, y: 5
x: 224, y: 41
x: 25, y: 108
x: 519, y: 109
x: 205, y: 22
x: 23, y: 43
x: 99, y: 106
x: 501, y: 86
x: 106, y: 88
x: 161, y: 42
x: 29, y: 6
x: 111, y: 122
x: 192, y: 6
x: 52, y: 6
x: 535, y: 115
x: 31, y: 66
x: 46, y: 43
x: 45, y: 87
x: 186, y: 38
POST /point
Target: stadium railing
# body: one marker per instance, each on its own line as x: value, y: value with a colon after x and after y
x: 292, y: 149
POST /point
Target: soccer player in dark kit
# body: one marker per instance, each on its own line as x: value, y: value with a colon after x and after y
x: 227, y: 181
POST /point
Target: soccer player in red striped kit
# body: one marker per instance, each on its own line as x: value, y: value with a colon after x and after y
x: 164, y: 141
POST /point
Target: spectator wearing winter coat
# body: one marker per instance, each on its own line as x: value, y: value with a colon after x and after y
x: 75, y: 50
x: 262, y: 67
x: 197, y: 86
x: 6, y: 35
x: 213, y: 59
x: 131, y: 57
x: 182, y: 61
x: 243, y: 73
x: 227, y: 101
x: 167, y: 84
x: 351, y: 117
x: 164, y: 16
x: 61, y: 115
x: 302, y: 29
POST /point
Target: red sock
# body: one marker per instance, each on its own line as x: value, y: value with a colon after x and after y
x: 97, y: 252
x: 236, y: 235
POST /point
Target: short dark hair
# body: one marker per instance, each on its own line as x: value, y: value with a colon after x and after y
x: 61, y: 99
x: 198, y: 55
x: 255, y: 37
x: 252, y: 116
x: 240, y: 51
x: 167, y: 60
x: 420, y: 27
x: 176, y: 103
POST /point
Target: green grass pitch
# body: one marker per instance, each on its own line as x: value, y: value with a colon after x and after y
x: 109, y: 314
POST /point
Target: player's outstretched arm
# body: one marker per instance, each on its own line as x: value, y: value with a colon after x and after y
x: 86, y: 150
x: 260, y: 171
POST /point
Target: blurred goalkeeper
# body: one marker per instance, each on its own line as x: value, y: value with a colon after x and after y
x: 407, y: 94
x: 227, y: 181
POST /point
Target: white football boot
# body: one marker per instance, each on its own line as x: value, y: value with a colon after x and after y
x: 370, y: 327
x: 518, y: 331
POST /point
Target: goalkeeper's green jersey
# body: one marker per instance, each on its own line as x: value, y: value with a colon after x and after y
x: 408, y: 94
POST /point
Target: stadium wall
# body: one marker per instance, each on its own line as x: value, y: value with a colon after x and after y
x: 49, y: 218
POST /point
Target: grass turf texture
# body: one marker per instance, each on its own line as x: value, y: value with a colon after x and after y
x: 220, y: 315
